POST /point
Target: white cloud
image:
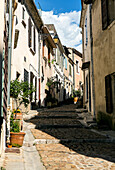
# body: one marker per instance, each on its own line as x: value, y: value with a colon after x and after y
x: 67, y: 27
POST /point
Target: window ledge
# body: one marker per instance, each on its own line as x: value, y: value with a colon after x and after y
x: 109, y: 27
x: 32, y: 51
x: 23, y: 23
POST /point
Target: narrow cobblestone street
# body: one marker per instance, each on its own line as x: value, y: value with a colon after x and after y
x: 64, y: 143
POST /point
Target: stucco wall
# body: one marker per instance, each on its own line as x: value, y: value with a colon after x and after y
x: 104, y: 57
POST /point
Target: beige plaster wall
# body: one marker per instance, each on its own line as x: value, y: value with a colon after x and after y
x: 104, y: 57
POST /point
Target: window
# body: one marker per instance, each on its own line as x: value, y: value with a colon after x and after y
x: 26, y: 76
x: 77, y: 66
x: 16, y: 38
x: 43, y: 47
x: 66, y: 63
x: 108, y: 12
x: 86, y: 35
x: 49, y: 56
x: 29, y: 33
x: 34, y: 39
x: 23, y: 13
x: 108, y: 93
x: 17, y: 75
x: 70, y: 70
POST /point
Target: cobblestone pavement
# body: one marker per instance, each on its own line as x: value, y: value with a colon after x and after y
x: 79, y: 147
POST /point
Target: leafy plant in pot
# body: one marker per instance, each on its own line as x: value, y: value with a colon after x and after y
x: 21, y: 92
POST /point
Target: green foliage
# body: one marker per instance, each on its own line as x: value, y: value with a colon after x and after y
x: 16, y: 145
x: 16, y: 111
x: 14, y: 125
x: 49, y: 82
x: 76, y: 93
x: 21, y: 92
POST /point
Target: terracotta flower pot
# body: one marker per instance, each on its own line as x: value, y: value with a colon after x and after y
x: 18, y: 116
x: 17, y: 138
x: 9, y: 146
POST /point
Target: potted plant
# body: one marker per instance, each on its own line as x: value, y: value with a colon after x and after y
x: 16, y: 136
x: 21, y: 92
x: 76, y: 95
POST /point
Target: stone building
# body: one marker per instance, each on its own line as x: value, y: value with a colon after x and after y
x: 25, y: 64
x: 102, y: 42
x: 47, y: 61
x: 76, y: 56
x: 58, y: 64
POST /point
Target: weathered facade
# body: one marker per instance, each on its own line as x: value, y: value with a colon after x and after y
x: 76, y: 56
x: 58, y: 64
x: 26, y: 51
x: 87, y: 67
x: 98, y: 27
x: 3, y: 72
x: 103, y: 32
x: 47, y: 58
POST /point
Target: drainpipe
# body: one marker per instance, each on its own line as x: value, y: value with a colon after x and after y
x: 9, y: 66
x: 73, y: 72
x: 2, y: 96
x: 92, y: 64
x: 39, y: 67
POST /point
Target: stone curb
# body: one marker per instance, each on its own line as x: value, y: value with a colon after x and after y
x: 57, y: 141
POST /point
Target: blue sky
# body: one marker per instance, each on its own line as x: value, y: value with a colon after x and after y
x: 65, y: 15
x: 60, y: 6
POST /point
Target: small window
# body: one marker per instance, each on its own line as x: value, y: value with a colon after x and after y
x: 66, y: 63
x: 108, y: 12
x: 43, y: 47
x: 29, y: 33
x: 108, y: 92
x: 26, y: 76
x: 70, y: 70
x: 17, y: 75
x: 77, y: 66
x: 23, y: 13
x: 49, y: 56
x: 86, y: 34
x: 34, y: 41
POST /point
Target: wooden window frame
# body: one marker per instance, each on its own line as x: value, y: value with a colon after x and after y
x: 105, y: 7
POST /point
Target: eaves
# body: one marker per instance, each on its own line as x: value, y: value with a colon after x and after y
x: 34, y: 13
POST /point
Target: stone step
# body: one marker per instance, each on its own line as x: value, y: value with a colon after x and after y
x: 55, y: 117
x: 81, y: 110
x: 58, y: 126
x: 60, y: 111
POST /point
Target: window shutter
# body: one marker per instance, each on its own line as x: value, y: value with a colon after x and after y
x: 35, y: 88
x: 29, y: 33
x: 66, y: 63
x: 43, y: 47
x: 26, y: 75
x: 48, y: 56
x: 104, y: 14
x: 34, y: 40
x: 16, y: 38
x: 108, y: 90
x: 31, y: 82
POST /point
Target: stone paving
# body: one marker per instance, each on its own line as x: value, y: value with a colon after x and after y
x: 93, y: 152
